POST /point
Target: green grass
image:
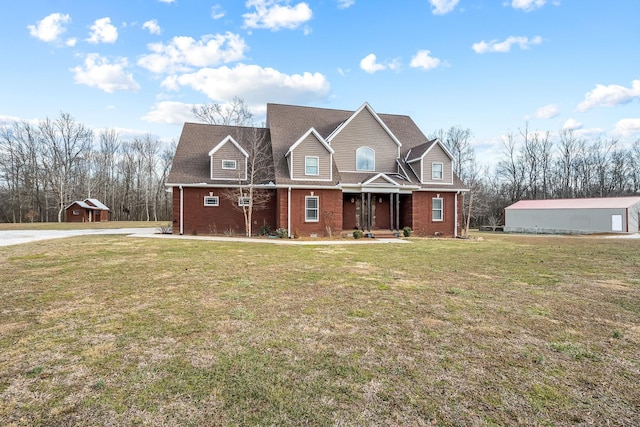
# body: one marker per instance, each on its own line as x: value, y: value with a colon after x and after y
x: 509, y: 330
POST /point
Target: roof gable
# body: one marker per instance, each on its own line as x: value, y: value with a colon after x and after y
x: 347, y: 122
x: 380, y: 178
x: 317, y: 136
x: 418, y: 153
x: 229, y: 138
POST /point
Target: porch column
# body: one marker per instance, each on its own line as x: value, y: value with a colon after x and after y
x: 398, y: 211
x: 368, y: 211
x: 391, y: 211
x: 362, y: 223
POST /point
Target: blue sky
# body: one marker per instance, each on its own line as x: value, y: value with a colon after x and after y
x: 488, y: 65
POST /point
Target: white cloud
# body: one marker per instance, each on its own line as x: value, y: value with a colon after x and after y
x: 103, y: 32
x: 152, y: 26
x: 98, y: 72
x: 217, y: 12
x: 610, y: 96
x: 572, y: 124
x: 547, y: 112
x: 252, y: 83
x: 184, y: 52
x: 166, y: 1
x: 528, y: 5
x: 627, y: 127
x: 442, y: 7
x: 505, y: 46
x: 272, y: 15
x: 71, y: 42
x: 169, y: 112
x: 369, y: 64
x: 344, y: 4
x: 424, y: 60
x: 50, y: 28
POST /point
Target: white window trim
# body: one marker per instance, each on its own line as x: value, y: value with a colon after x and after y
x: 244, y: 201
x: 317, y: 165
x: 235, y: 164
x: 433, y: 177
x: 374, y: 159
x: 435, y: 210
x: 214, y: 200
x: 306, y: 209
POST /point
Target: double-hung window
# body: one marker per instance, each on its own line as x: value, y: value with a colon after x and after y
x: 211, y: 201
x: 311, y: 208
x: 437, y: 208
x: 311, y: 165
x: 437, y: 171
x: 229, y: 164
x: 244, y: 201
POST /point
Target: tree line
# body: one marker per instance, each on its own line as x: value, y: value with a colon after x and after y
x: 535, y: 165
x: 46, y: 166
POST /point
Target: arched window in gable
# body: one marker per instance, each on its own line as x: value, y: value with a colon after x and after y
x: 365, y: 159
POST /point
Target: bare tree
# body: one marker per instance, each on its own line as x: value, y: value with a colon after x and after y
x: 635, y: 166
x: 512, y: 170
x: 235, y: 113
x: 66, y: 143
x: 253, y: 193
x: 458, y: 141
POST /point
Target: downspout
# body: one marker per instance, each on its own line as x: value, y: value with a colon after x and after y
x: 455, y: 225
x: 181, y: 210
x: 289, y: 212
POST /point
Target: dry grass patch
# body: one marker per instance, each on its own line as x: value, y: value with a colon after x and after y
x: 505, y: 331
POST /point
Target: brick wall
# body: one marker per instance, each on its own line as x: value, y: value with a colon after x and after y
x: 330, y: 212
x: 200, y: 219
x: 421, y: 214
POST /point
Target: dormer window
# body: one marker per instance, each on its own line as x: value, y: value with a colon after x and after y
x: 311, y: 165
x: 437, y: 171
x: 229, y: 164
x: 365, y: 159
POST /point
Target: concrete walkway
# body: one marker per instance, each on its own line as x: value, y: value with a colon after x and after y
x: 272, y: 240
x: 16, y: 237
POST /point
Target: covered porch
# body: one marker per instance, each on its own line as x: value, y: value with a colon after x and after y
x: 371, y: 211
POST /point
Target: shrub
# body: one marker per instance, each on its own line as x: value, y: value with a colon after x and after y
x: 406, y: 232
x: 265, y: 230
x: 282, y: 233
x: 166, y: 229
x: 357, y: 234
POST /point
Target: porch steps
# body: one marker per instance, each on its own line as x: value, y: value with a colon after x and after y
x: 377, y: 234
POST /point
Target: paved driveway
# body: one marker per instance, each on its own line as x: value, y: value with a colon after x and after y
x: 15, y: 237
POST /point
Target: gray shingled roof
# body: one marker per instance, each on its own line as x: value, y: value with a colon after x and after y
x: 191, y: 164
x: 285, y: 125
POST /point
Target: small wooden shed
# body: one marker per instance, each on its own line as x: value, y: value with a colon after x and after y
x: 88, y: 210
x: 574, y: 216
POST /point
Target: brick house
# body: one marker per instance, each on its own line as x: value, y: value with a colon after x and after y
x: 329, y: 171
x: 87, y: 210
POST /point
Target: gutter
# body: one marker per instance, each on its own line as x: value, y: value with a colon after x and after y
x: 455, y: 223
x: 181, y: 210
x: 289, y: 212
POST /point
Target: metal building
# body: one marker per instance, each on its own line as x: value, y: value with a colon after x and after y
x: 574, y: 216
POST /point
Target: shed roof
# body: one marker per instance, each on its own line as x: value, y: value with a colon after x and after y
x: 591, y: 203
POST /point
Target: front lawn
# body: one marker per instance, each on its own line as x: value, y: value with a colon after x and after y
x: 509, y: 330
